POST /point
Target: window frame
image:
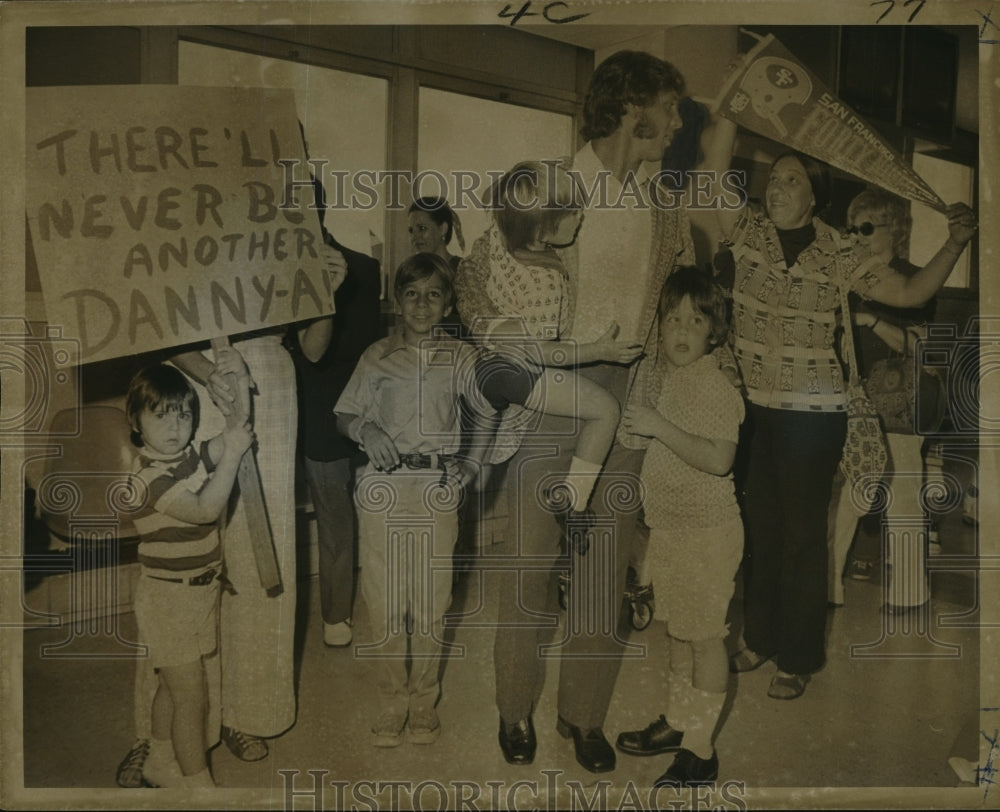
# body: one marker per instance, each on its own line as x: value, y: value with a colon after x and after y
x: 396, y: 60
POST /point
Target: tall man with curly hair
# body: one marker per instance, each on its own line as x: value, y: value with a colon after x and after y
x: 624, y: 251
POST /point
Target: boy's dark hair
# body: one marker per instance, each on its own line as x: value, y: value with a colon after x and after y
x: 530, y: 199
x: 625, y: 77
x: 819, y: 178
x: 705, y: 296
x: 155, y: 385
x: 438, y: 210
x: 420, y: 266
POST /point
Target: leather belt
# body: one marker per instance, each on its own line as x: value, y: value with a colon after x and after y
x: 425, y: 460
x: 195, y: 580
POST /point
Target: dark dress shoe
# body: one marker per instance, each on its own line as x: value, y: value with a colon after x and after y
x: 689, y: 770
x: 658, y: 737
x: 517, y: 741
x: 592, y: 750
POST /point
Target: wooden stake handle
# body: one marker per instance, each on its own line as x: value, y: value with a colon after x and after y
x: 251, y: 490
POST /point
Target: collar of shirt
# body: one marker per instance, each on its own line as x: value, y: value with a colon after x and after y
x: 588, y: 166
x: 156, y: 456
x: 397, y: 342
x: 828, y: 242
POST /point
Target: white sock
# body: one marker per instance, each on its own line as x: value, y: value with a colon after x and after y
x: 581, y: 478
x: 679, y: 710
x: 706, y: 708
x: 161, y: 765
x: 200, y: 779
x: 677, y: 702
x: 161, y: 752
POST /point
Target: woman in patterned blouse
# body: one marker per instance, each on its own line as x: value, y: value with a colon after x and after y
x: 789, y: 265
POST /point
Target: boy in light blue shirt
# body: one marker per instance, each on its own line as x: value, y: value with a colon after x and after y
x: 403, y: 407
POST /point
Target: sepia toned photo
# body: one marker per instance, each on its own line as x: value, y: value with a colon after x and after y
x: 473, y: 405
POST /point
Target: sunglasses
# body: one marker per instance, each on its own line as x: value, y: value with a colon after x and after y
x: 866, y: 229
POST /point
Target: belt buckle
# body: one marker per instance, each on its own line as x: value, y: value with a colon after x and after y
x: 205, y: 578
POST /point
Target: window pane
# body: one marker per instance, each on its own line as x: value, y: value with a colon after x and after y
x: 464, y: 133
x: 344, y: 116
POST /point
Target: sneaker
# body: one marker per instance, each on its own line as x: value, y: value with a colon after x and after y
x: 338, y: 634
x: 245, y: 746
x: 129, y: 773
x: 861, y: 570
x: 423, y: 727
x: 388, y: 729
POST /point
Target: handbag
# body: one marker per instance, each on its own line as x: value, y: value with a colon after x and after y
x: 908, y: 400
x: 864, y: 459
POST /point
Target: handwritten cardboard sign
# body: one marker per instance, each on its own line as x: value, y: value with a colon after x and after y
x: 775, y: 95
x: 159, y: 215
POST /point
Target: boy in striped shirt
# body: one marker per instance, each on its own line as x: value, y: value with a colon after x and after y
x: 176, y: 600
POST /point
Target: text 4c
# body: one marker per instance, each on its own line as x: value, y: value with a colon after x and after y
x: 551, y: 12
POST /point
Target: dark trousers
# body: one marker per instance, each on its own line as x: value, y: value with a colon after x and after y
x: 588, y: 654
x: 330, y: 489
x: 792, y: 460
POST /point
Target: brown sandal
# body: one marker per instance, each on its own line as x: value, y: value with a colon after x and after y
x: 787, y: 686
x: 746, y: 660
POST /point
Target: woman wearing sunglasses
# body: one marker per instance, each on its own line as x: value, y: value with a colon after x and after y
x: 789, y: 265
x: 878, y: 223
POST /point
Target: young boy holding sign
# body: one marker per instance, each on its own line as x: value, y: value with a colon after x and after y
x: 177, y: 595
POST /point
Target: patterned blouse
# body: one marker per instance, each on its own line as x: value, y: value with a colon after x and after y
x: 532, y: 288
x: 537, y: 293
x: 701, y: 400
x: 784, y: 319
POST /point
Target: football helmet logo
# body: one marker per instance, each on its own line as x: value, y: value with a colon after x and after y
x: 773, y: 83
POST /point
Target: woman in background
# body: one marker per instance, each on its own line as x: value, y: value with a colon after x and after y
x: 432, y: 223
x: 878, y: 222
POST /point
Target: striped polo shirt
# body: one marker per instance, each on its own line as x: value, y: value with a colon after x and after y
x: 165, y: 542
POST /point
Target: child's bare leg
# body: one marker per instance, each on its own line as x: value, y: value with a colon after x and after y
x: 186, y: 685
x: 708, y: 694
x: 711, y: 665
x: 163, y: 710
x: 161, y: 768
x: 679, y: 683
x: 565, y: 394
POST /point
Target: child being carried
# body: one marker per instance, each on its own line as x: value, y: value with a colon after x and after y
x: 527, y: 356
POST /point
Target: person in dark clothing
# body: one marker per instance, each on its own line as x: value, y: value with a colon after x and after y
x: 329, y: 457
